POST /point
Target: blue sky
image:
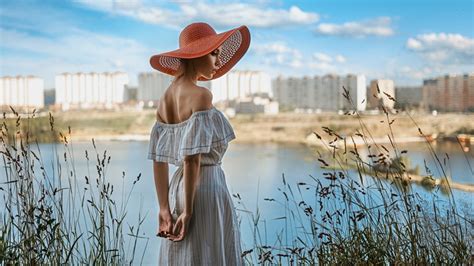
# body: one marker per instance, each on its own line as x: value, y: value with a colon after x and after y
x: 402, y: 40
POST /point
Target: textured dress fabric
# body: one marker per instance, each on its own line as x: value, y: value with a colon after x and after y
x: 213, y: 237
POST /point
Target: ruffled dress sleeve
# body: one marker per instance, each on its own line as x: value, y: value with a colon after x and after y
x: 202, y: 132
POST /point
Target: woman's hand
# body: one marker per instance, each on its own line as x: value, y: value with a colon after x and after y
x: 165, y: 221
x: 181, y: 227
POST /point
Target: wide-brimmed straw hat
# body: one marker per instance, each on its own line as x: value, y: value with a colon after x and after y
x: 199, y: 39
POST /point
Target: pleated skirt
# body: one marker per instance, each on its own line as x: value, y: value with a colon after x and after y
x: 213, y: 237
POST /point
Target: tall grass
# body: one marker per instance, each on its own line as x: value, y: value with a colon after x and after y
x: 60, y: 216
x: 345, y: 217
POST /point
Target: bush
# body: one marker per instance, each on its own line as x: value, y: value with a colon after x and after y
x: 56, y: 218
x: 345, y: 217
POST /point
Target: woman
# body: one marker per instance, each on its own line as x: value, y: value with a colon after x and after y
x: 197, y: 219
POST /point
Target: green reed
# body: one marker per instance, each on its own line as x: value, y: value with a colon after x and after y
x: 344, y: 217
x: 60, y: 217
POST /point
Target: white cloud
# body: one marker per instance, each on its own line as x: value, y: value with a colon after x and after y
x: 276, y: 47
x: 443, y: 47
x: 340, y: 59
x: 280, y: 50
x: 78, y: 50
x: 325, y: 63
x: 322, y: 57
x: 279, y: 54
x: 414, y: 73
x: 298, y: 15
x: 327, y: 59
x: 295, y: 63
x: 375, y: 27
x: 322, y: 67
x: 220, y: 14
x: 413, y: 44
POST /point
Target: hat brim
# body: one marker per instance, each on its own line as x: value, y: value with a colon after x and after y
x: 234, y: 42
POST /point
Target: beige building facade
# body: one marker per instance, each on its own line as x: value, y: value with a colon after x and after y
x: 450, y: 93
x: 379, y: 92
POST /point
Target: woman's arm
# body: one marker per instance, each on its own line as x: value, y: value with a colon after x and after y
x: 160, y: 172
x: 191, y: 174
x: 191, y: 180
x: 165, y: 220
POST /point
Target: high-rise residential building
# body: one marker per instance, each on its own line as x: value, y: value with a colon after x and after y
x: 90, y: 90
x: 356, y: 85
x: 409, y: 96
x: 325, y: 93
x: 151, y: 86
x: 239, y: 84
x: 232, y: 86
x: 450, y: 93
x: 429, y: 93
x: 469, y: 99
x: 21, y: 92
x: 287, y: 91
x: 282, y: 92
x: 379, y: 92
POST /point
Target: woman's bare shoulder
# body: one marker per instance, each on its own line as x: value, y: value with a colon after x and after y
x: 198, y: 98
x: 203, y: 99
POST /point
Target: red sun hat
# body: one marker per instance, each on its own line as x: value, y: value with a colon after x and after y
x: 199, y: 39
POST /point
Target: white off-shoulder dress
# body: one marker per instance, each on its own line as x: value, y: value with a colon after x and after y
x: 213, y: 237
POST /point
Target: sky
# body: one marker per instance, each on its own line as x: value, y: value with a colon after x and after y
x: 403, y: 40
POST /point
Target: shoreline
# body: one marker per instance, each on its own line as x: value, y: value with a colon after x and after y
x: 309, y: 141
x: 144, y: 137
x: 295, y: 128
x: 424, y: 181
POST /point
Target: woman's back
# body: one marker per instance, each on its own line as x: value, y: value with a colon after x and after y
x: 180, y: 100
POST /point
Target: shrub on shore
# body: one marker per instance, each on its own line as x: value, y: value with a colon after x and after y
x: 346, y: 217
x: 58, y: 216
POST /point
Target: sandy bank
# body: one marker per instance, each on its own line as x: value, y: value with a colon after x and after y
x: 281, y: 128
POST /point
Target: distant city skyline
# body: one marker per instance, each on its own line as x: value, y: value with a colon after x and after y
x: 405, y: 41
x: 245, y: 91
